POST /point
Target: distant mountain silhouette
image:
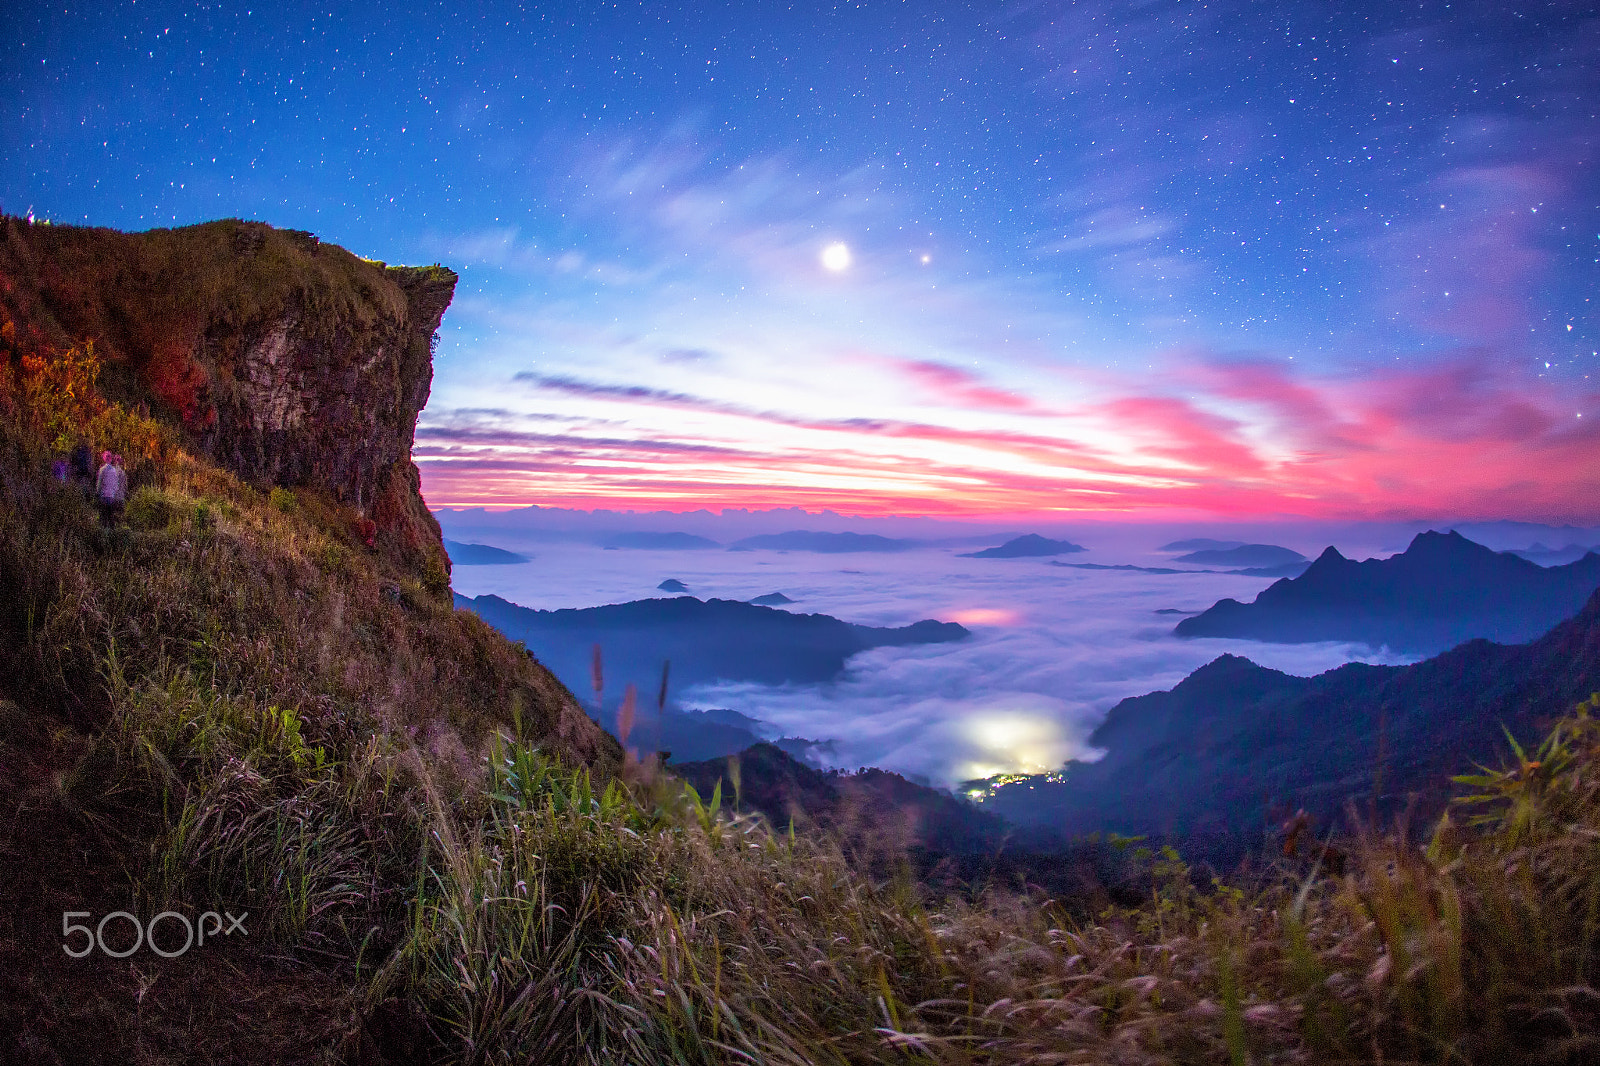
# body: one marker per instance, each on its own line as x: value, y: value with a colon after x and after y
x: 658, y: 541
x: 1285, y: 570
x: 1538, y: 553
x: 672, y: 584
x: 1200, y: 544
x: 873, y: 801
x: 479, y: 554
x: 801, y: 540
x: 1234, y: 746
x: 771, y: 599
x: 1253, y: 555
x: 705, y: 640
x: 686, y: 735
x: 1128, y: 566
x: 1027, y: 546
x: 1441, y: 590
x: 1289, y: 570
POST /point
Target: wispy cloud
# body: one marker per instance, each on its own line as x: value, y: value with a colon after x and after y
x: 963, y: 388
x: 1467, y: 266
x: 1248, y: 436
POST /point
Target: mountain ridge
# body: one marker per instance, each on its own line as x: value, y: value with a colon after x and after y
x: 704, y: 641
x: 473, y: 554
x: 873, y: 801
x: 1264, y: 556
x: 1441, y: 590
x: 825, y: 543
x: 1210, y: 759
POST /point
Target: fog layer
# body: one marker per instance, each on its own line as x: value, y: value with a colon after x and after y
x: 1052, y: 649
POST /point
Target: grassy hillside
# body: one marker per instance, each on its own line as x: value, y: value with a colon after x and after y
x: 233, y: 705
x: 231, y: 697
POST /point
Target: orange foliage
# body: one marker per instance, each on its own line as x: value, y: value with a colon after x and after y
x: 57, y: 393
x: 52, y: 397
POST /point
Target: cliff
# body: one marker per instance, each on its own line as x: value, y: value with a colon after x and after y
x: 226, y: 700
x: 287, y: 361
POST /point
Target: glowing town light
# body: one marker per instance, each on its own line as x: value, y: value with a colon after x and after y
x: 1013, y: 742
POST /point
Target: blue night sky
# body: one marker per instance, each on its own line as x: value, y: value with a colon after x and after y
x: 1009, y: 258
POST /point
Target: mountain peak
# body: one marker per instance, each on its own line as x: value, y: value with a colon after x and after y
x: 1226, y: 663
x: 1433, y: 543
x: 1225, y: 666
x: 1029, y: 545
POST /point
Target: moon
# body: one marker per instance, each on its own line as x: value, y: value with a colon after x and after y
x: 836, y: 256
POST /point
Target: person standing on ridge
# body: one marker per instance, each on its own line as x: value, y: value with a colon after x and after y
x: 111, y: 488
x: 82, y: 465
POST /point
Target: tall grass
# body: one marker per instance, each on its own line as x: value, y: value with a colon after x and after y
x: 624, y: 926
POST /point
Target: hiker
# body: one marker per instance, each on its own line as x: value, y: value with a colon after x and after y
x: 82, y: 472
x: 111, y: 489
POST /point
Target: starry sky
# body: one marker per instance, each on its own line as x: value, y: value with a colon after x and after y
x: 1040, y: 258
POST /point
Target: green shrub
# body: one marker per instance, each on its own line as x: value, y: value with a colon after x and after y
x: 220, y: 507
x: 283, y: 501
x: 435, y: 579
x: 149, y: 508
x: 333, y: 558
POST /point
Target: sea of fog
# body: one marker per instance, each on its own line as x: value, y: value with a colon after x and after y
x: 1053, y: 648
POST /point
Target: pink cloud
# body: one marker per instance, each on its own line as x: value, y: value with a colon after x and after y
x: 1462, y: 436
x: 1177, y: 429
x: 963, y: 388
x: 1292, y: 409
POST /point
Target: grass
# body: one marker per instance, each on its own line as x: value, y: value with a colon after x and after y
x: 233, y: 704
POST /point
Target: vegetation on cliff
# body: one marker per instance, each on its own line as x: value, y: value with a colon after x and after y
x: 234, y: 704
x: 284, y: 360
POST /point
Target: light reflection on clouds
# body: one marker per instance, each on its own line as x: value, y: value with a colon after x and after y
x: 985, y: 616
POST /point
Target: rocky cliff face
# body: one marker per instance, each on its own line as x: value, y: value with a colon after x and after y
x: 290, y: 362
